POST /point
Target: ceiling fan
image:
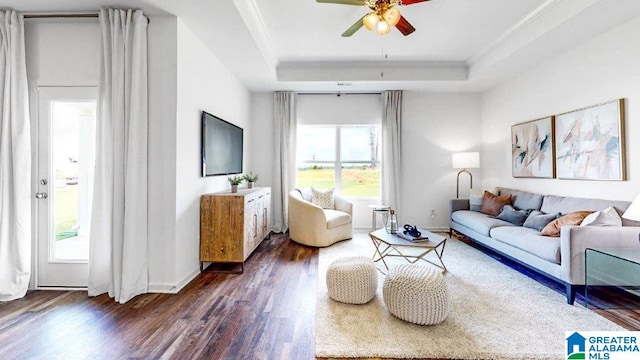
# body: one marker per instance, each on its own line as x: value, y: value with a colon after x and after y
x: 384, y: 15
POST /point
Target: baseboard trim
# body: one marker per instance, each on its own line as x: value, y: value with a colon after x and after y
x: 166, y: 288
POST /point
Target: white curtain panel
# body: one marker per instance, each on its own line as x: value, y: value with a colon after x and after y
x: 118, y: 262
x: 391, y: 148
x: 15, y: 160
x: 285, y: 159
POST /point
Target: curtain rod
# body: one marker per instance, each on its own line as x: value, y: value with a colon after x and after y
x: 53, y: 16
x: 48, y: 16
x: 341, y: 93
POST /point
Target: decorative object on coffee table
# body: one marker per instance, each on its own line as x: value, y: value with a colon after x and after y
x: 391, y: 225
x: 251, y: 179
x: 532, y: 149
x: 417, y: 294
x: 235, y: 181
x: 352, y: 280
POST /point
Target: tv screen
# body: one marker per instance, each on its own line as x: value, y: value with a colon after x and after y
x: 221, y: 146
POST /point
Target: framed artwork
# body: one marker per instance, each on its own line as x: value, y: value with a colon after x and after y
x: 590, y: 143
x: 532, y: 149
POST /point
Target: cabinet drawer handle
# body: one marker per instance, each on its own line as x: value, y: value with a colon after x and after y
x: 255, y: 225
x: 222, y: 249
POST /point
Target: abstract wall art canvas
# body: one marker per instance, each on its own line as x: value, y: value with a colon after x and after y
x: 590, y: 143
x: 532, y: 149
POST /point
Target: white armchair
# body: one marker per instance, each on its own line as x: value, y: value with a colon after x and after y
x: 312, y: 225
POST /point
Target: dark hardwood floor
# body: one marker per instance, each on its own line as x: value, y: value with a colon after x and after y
x: 266, y: 313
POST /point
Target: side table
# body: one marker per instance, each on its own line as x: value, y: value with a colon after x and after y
x: 611, y: 267
x: 375, y: 210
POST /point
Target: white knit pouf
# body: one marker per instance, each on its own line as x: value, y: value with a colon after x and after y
x: 416, y: 294
x: 352, y: 280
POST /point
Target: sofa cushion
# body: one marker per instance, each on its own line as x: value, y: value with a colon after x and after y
x: 529, y: 240
x: 492, y: 204
x: 537, y: 220
x: 477, y: 221
x: 523, y: 200
x: 510, y: 214
x: 336, y: 218
x: 574, y: 218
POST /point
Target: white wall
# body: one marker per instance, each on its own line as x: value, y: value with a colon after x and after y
x: 435, y: 125
x: 162, y: 58
x: 203, y: 83
x: 349, y: 109
x: 602, y: 69
x: 262, y: 138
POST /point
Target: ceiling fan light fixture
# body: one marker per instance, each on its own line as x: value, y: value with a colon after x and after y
x: 370, y: 21
x: 383, y: 28
x: 392, y: 16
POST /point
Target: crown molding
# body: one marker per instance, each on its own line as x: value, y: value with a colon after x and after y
x: 250, y: 14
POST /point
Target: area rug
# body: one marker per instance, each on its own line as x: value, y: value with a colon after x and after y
x: 496, y: 313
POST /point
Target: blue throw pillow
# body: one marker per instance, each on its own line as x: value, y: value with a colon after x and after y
x: 510, y: 214
x: 537, y: 220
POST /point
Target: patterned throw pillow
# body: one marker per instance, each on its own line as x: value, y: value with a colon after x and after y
x: 324, y: 199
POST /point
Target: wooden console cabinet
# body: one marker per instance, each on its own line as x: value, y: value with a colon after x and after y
x: 232, y: 225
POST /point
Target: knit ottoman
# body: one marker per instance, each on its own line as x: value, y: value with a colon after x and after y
x: 416, y: 294
x: 352, y: 280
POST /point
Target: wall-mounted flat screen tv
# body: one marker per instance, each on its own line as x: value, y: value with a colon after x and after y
x: 221, y: 146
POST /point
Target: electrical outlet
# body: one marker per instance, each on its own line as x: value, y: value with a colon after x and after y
x: 433, y: 214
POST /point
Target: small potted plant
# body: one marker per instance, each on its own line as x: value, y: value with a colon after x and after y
x: 235, y: 181
x: 251, y: 179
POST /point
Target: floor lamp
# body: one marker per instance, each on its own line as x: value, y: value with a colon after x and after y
x: 465, y: 161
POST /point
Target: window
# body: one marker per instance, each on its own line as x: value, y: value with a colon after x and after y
x: 342, y: 156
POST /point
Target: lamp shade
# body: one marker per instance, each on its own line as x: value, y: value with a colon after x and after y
x: 370, y: 21
x: 391, y: 16
x: 633, y: 211
x: 383, y: 28
x: 466, y: 160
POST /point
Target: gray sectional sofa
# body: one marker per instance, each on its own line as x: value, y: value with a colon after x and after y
x: 561, y: 259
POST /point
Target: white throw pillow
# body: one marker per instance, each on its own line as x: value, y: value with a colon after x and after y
x: 606, y: 217
x: 324, y: 199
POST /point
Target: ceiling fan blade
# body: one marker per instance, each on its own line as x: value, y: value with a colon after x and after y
x: 404, y: 26
x: 355, y: 27
x: 343, y: 2
x: 410, y: 2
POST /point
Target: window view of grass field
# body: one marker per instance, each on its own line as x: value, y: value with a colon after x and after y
x: 355, y: 172
x: 363, y: 181
x: 71, y: 121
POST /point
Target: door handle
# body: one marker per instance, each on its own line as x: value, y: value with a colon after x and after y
x: 42, y: 195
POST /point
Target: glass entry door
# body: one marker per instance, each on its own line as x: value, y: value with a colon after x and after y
x: 66, y: 148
